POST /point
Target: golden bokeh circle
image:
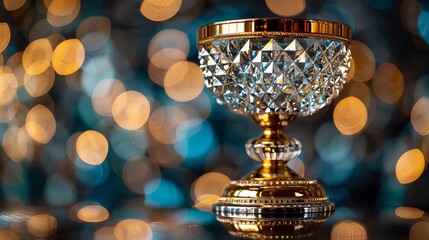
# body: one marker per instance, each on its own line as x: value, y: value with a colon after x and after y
x: 157, y: 10
x: 94, y: 32
x: 410, y: 166
x: 8, y: 85
x: 350, y: 116
x: 168, y: 38
x: 204, y: 202
x: 131, y: 110
x: 15, y: 64
x: 409, y: 212
x: 61, y: 7
x: 68, y: 10
x: 388, y: 83
x: 92, y: 147
x: 9, y: 110
x: 4, y: 36
x: 183, y: 81
x: 133, y: 229
x: 104, y: 233
x: 42, y: 225
x: 104, y: 94
x: 286, y: 8
x: 37, y: 56
x: 163, y: 124
x: 419, y: 231
x: 12, y: 5
x: 167, y: 57
x: 92, y: 213
x: 9, y: 235
x: 139, y: 171
x: 364, y: 61
x: 209, y: 183
x: 39, y: 85
x: 156, y: 74
x: 420, y: 116
x: 16, y: 143
x: 348, y: 230
x: 68, y: 57
x: 40, y: 124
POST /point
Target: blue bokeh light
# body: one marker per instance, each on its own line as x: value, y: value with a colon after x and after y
x: 128, y: 144
x: 336, y: 173
x: 96, y: 70
x: 88, y: 114
x: 331, y: 145
x: 193, y: 216
x: 197, y: 142
x: 158, y: 198
x: 423, y: 25
x: 59, y: 191
x: 91, y: 175
x: 14, y: 183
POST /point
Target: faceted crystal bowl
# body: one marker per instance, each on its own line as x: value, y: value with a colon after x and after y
x: 285, y: 66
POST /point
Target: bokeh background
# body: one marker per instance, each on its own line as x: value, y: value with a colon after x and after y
x: 107, y: 131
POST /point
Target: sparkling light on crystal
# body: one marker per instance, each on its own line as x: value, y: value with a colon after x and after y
x: 275, y: 75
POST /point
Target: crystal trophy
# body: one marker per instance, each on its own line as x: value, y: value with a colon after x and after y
x: 274, y: 70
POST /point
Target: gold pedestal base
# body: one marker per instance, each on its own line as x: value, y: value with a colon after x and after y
x: 273, y: 202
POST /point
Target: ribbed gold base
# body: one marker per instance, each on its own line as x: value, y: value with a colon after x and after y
x: 273, y: 202
x: 271, y: 228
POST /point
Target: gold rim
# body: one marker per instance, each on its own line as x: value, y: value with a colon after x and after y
x: 275, y: 27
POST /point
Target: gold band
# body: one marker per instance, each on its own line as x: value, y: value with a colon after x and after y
x: 275, y: 27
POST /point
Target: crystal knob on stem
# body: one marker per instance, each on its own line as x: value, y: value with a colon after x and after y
x: 273, y: 144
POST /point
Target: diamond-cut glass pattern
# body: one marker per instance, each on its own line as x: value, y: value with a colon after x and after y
x: 275, y: 75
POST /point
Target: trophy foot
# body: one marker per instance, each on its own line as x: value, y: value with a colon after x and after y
x: 273, y: 202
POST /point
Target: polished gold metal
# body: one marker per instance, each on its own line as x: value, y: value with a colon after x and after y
x: 279, y: 228
x: 275, y: 27
x: 273, y: 144
x: 273, y: 202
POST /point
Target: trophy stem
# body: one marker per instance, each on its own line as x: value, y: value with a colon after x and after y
x: 273, y: 192
x: 274, y: 170
x: 273, y: 144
